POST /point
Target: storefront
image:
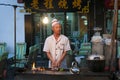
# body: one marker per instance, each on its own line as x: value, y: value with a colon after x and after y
x: 80, y: 21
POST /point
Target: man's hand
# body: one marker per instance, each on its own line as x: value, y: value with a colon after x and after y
x: 54, y: 63
x: 58, y: 63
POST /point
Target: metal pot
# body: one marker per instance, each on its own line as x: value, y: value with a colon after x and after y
x: 96, y: 62
x: 96, y: 57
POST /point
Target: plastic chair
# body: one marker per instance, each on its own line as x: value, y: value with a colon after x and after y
x: 20, y: 54
x: 85, y: 49
x: 33, y: 50
x: 3, y: 65
x: 2, y: 48
x: 30, y: 56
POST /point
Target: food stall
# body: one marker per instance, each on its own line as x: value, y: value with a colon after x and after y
x: 41, y: 73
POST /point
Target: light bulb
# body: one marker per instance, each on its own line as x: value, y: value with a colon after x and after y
x: 45, y: 20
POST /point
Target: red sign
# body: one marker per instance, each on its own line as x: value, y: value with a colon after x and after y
x: 109, y: 4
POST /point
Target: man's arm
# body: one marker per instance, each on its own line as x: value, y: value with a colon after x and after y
x: 66, y: 48
x: 49, y: 56
x: 51, y: 59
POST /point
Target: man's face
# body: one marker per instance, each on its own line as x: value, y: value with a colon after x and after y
x: 56, y: 29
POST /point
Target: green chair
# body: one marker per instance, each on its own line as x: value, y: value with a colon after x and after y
x: 30, y: 56
x: 2, y: 48
x: 33, y: 50
x: 20, y: 54
x: 85, y: 49
x: 4, y: 56
x: 3, y: 65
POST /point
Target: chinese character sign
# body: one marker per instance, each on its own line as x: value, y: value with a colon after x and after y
x: 77, y: 4
x: 34, y: 4
x: 48, y: 4
x: 58, y: 5
x: 63, y: 4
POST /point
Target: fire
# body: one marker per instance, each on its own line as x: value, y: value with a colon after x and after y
x: 33, y: 66
x: 38, y: 68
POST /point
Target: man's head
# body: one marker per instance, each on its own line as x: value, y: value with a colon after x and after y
x: 56, y: 26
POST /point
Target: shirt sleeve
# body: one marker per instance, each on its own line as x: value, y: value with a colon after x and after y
x: 46, y: 46
x: 67, y: 45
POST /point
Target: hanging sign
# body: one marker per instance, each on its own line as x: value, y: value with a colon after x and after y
x: 109, y: 4
x: 81, y: 6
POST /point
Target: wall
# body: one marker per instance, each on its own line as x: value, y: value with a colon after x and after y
x: 7, y: 24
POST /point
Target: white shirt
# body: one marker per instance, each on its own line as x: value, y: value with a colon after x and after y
x: 56, y: 47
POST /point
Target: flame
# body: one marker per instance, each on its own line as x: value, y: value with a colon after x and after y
x: 33, y: 66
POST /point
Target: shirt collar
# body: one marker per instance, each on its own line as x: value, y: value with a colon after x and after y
x: 58, y: 38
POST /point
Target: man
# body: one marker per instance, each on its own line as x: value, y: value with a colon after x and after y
x: 56, y: 47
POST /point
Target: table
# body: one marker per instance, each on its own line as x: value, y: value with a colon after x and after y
x: 61, y: 75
